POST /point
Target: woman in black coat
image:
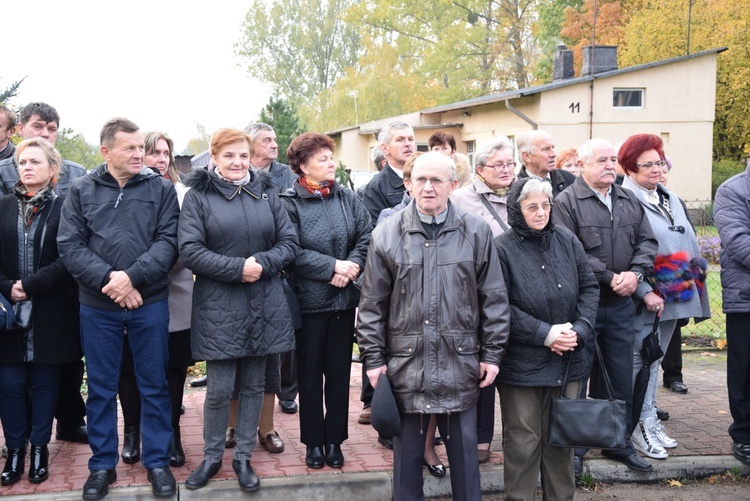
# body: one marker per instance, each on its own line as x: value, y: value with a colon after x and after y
x: 236, y: 237
x: 30, y: 270
x: 334, y: 232
x: 553, y: 297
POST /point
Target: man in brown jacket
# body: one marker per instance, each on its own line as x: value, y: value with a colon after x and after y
x: 434, y: 317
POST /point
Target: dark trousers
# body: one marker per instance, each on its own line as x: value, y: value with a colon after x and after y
x: 324, y: 358
x: 738, y: 375
x: 486, y: 414
x: 615, y: 333
x: 368, y: 391
x: 672, y: 361
x: 289, y: 386
x: 43, y: 381
x: 71, y: 409
x: 130, y: 398
x: 460, y: 436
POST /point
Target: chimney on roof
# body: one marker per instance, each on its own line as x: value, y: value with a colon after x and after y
x: 562, y: 64
x: 598, y: 59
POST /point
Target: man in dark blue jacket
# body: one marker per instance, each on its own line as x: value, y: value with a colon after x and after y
x: 118, y: 238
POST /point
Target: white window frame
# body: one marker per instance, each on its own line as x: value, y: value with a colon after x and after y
x: 641, y: 90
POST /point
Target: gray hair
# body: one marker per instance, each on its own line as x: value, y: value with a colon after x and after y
x: 385, y: 133
x: 526, y: 141
x: 587, y: 149
x: 377, y: 156
x: 253, y: 130
x: 532, y: 187
x: 439, y: 158
x: 489, y: 148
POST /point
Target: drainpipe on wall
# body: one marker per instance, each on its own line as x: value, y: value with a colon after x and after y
x: 523, y: 117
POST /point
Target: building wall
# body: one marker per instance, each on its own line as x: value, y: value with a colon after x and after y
x: 679, y: 101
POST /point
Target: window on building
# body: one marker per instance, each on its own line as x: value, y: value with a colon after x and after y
x: 627, y: 98
x: 471, y: 148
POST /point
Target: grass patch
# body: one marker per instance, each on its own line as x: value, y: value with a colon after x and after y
x: 716, y: 326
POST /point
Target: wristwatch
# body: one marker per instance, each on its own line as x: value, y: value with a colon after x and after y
x: 638, y: 275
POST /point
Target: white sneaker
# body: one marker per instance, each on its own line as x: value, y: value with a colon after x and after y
x: 645, y: 441
x: 661, y: 435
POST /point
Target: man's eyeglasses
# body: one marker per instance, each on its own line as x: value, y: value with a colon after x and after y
x: 436, y: 182
x: 501, y: 166
x: 651, y: 165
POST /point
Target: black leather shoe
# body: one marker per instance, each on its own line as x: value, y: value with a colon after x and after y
x: 741, y: 452
x: 182, y: 409
x: 201, y: 381
x: 577, y: 467
x: 334, y: 456
x: 97, y: 485
x: 288, y: 406
x: 314, y: 457
x: 78, y: 435
x: 633, y: 461
x: 386, y: 442
x: 131, y: 444
x: 38, y: 464
x: 436, y: 470
x: 247, y: 478
x: 662, y: 415
x: 176, y: 454
x: 162, y: 482
x: 15, y: 465
x: 199, y: 478
x: 678, y: 387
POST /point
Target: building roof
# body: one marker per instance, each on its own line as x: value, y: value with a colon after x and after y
x: 530, y: 91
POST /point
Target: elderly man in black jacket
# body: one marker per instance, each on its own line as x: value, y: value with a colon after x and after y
x: 434, y: 318
x: 118, y: 238
x: 612, y: 226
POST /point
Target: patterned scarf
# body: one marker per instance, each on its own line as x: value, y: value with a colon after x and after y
x: 323, y: 189
x: 500, y: 192
x: 31, y: 202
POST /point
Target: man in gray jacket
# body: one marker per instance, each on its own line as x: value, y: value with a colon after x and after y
x: 612, y: 225
x: 434, y: 318
x: 732, y: 218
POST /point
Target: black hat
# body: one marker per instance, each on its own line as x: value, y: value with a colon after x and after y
x: 385, y: 417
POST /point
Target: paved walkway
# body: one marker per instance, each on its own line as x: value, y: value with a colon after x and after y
x: 699, y: 422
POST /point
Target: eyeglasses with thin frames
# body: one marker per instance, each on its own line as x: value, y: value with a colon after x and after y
x: 501, y: 166
x: 651, y: 165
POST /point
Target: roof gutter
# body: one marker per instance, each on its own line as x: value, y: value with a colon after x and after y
x: 534, y: 125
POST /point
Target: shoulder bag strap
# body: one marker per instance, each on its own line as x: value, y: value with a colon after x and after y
x: 494, y: 213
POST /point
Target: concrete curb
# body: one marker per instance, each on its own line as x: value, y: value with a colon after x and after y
x: 376, y: 486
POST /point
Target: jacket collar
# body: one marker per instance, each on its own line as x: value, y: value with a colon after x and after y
x: 412, y: 224
x: 102, y: 176
x: 394, y: 179
x: 204, y: 181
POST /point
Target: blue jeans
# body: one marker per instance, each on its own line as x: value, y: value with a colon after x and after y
x: 102, y: 332
x: 44, y: 383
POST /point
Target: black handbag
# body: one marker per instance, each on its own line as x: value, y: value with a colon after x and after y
x: 588, y: 422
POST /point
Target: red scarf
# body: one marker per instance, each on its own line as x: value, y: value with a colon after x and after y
x: 323, y: 189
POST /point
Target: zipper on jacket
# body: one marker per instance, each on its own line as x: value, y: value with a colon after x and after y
x: 119, y: 198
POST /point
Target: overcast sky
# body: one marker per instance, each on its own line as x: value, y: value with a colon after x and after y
x: 165, y: 64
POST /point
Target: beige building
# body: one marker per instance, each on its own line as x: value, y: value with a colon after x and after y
x: 674, y: 99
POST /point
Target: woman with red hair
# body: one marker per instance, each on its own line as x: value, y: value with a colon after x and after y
x: 675, y: 289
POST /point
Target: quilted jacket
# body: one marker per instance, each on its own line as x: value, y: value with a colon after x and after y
x: 549, y: 282
x: 220, y: 226
x: 331, y: 228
